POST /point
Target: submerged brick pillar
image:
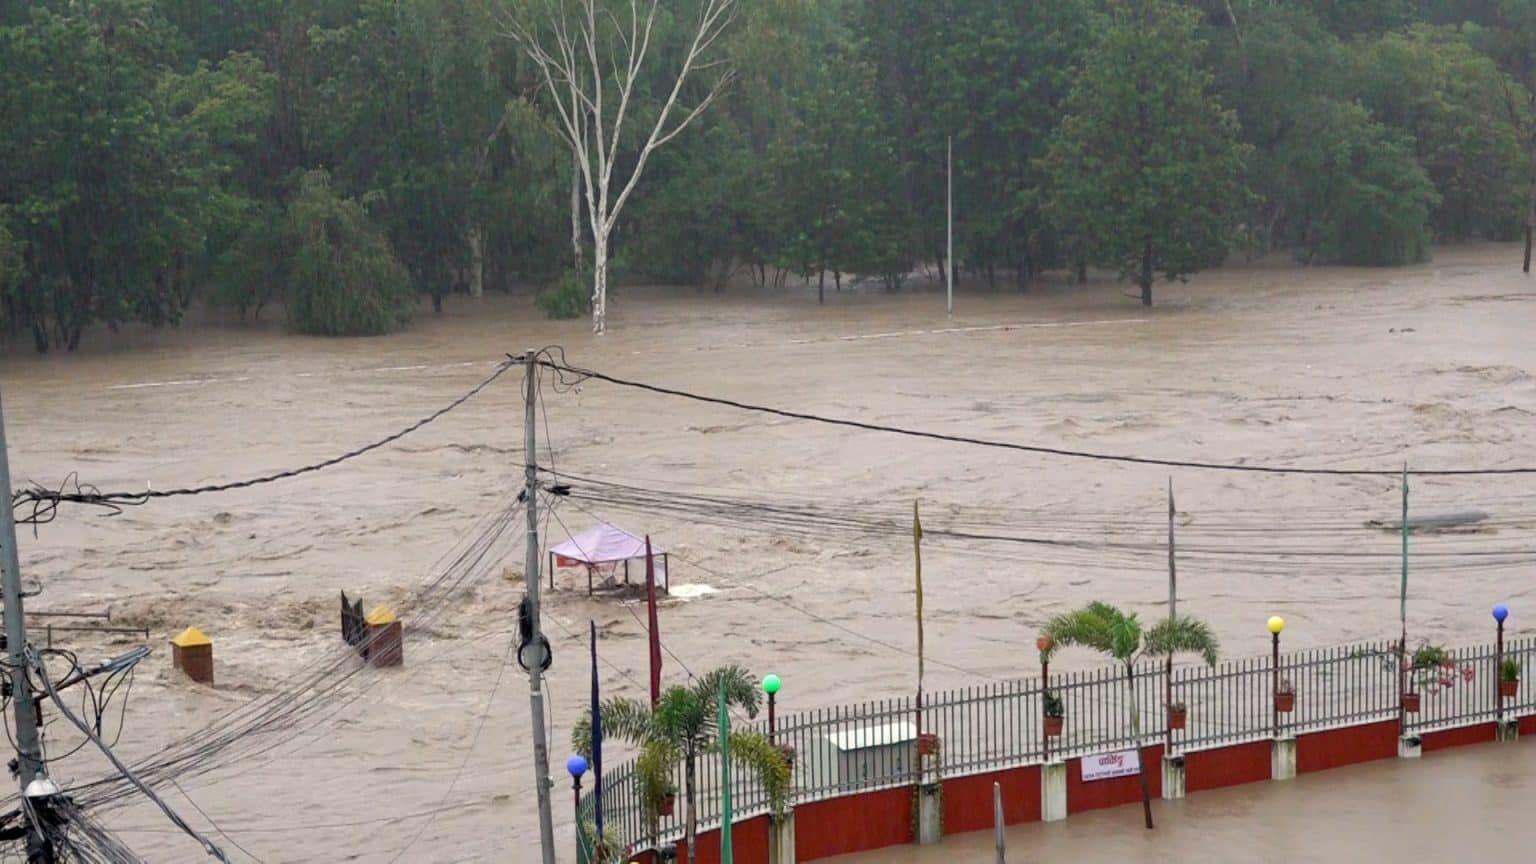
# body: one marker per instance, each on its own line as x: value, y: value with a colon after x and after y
x: 386, y: 639
x: 192, y: 653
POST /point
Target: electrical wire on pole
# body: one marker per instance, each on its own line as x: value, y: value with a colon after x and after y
x: 29, y: 766
x: 535, y: 645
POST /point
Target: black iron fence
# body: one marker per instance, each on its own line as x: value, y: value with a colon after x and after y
x: 854, y: 748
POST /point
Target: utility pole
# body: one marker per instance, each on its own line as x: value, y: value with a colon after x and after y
x: 531, y: 581
x: 29, y: 750
x: 949, y: 255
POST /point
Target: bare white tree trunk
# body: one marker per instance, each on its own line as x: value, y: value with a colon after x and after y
x: 599, y: 283
x: 589, y: 77
x: 575, y: 213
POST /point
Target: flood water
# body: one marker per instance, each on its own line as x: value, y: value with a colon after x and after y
x: 1266, y: 365
x: 1456, y: 805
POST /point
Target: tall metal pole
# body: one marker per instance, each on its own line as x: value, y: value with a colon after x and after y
x: 997, y: 822
x: 1402, y: 612
x: 949, y: 259
x: 29, y: 750
x: 1274, y: 666
x: 531, y: 581
x: 1173, y: 612
x: 1498, y: 675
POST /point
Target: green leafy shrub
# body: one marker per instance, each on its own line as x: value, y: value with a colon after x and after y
x: 568, y: 297
x: 345, y: 279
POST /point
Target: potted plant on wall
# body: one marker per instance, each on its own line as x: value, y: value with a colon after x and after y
x: 1285, y: 696
x: 1509, y: 678
x: 927, y: 744
x: 1178, y: 715
x: 1055, y: 714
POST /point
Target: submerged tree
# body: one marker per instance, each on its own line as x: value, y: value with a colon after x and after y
x: 1144, y: 169
x: 684, y: 727
x: 593, y: 62
x: 345, y: 279
x: 1112, y: 632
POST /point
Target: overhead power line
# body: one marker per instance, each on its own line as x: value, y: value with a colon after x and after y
x: 45, y: 501
x: 546, y: 358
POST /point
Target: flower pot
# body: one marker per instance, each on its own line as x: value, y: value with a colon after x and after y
x: 1053, y: 726
x: 927, y: 744
x: 1508, y: 689
x: 1177, y: 717
x: 1411, y: 702
x: 1285, y: 703
x: 668, y: 805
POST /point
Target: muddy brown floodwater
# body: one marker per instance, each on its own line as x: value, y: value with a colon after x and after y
x: 1459, y: 805
x: 1266, y: 365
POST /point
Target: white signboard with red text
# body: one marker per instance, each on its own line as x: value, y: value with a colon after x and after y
x: 1107, y: 765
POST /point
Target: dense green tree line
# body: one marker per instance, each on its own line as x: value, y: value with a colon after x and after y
x: 341, y: 158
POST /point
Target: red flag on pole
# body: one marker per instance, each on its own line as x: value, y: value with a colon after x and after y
x: 650, y: 602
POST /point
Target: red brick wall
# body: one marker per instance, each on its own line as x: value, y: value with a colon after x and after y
x: 1319, y: 751
x: 1097, y: 794
x: 968, y: 800
x: 749, y: 844
x: 1481, y: 733
x: 1227, y: 766
x: 853, y: 823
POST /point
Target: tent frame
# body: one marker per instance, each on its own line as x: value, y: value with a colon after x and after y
x: 666, y: 569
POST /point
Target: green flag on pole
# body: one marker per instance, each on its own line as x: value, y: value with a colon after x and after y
x: 917, y: 560
x: 1402, y: 596
x: 725, y: 780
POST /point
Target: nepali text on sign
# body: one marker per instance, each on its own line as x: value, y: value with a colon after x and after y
x: 1107, y: 765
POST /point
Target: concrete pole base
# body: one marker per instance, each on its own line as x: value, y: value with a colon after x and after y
x: 781, y: 839
x: 1173, y: 778
x: 1409, y: 747
x: 930, y: 814
x: 1508, y: 730
x: 1282, y: 759
x: 1053, y: 792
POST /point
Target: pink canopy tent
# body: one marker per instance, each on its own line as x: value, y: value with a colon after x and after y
x: 601, y: 549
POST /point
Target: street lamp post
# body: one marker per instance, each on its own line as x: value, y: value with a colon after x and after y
x: 771, y: 686
x: 1276, y: 624
x: 1500, y: 612
x: 577, y: 766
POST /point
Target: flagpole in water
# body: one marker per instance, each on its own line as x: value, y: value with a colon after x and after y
x: 597, y: 747
x: 1402, y: 615
x: 725, y: 778
x: 917, y: 557
x: 1173, y: 612
x: 655, y: 634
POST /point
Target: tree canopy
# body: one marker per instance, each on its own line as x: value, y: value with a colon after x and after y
x: 156, y: 150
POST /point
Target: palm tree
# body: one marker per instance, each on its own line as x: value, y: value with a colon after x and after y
x: 683, y: 727
x: 1110, y: 631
